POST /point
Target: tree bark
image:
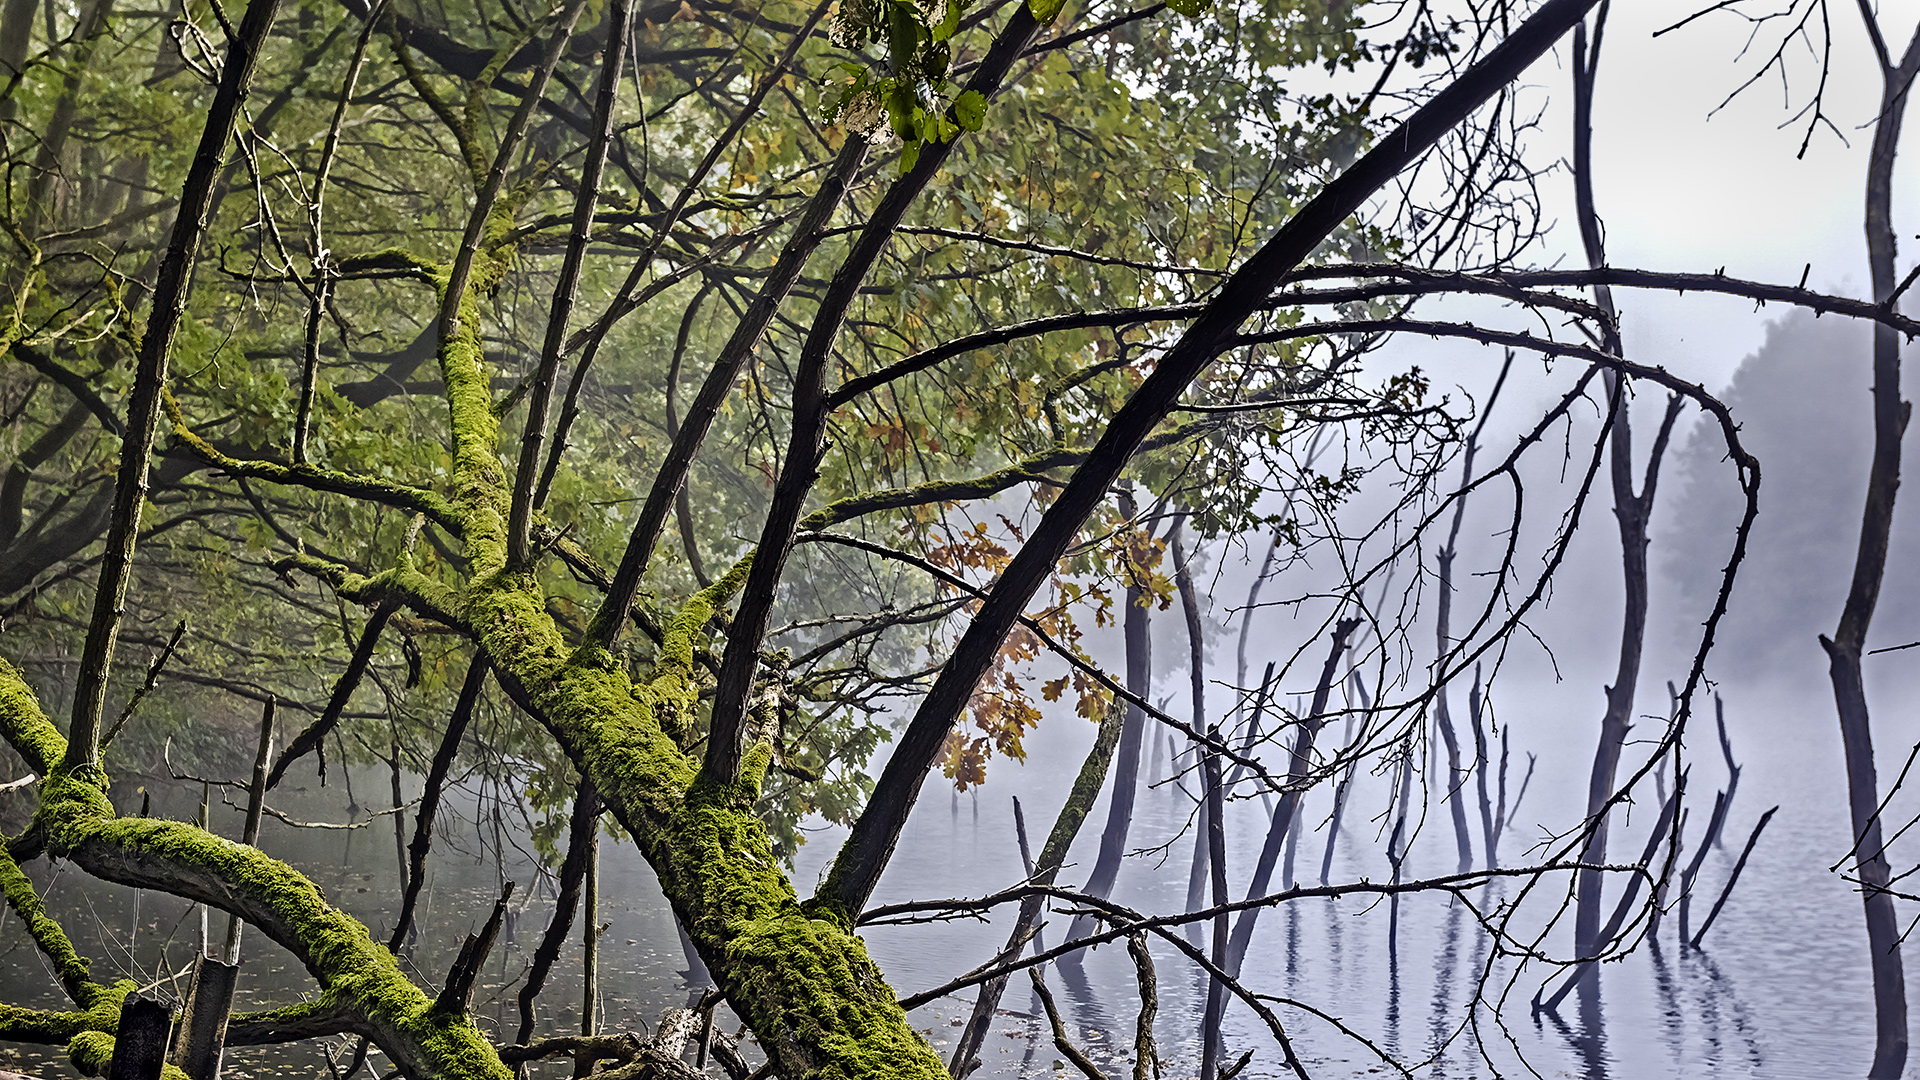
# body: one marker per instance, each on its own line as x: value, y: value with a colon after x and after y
x: 858, y: 866
x: 1136, y: 628
x: 150, y: 379
x: 1844, y: 649
x: 1289, y: 808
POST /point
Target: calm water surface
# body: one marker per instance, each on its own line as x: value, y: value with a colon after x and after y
x: 1780, y: 990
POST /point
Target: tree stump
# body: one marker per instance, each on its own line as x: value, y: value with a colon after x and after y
x: 140, y: 1047
x: 203, y: 1025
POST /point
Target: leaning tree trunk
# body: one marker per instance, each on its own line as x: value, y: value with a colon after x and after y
x: 857, y: 867
x: 1844, y: 649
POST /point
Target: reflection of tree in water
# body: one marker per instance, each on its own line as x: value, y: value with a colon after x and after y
x: 1673, y: 1025
x: 1092, y: 1016
x: 1589, y: 1040
x: 1721, y: 1017
x: 1443, y: 1025
x: 1717, y: 1004
x: 1293, y: 947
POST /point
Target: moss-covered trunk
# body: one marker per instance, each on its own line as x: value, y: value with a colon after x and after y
x: 805, y: 985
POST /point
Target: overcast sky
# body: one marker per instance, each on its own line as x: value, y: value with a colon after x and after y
x: 1684, y: 187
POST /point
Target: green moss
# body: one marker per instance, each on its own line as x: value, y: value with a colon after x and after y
x: 806, y: 985
x: 92, y: 1051
x: 405, y: 583
x: 291, y: 910
x: 392, y: 258
x: 676, y: 651
x: 672, y: 690
x: 79, y: 823
x: 301, y: 1012
x: 315, y: 478
x: 41, y: 1026
x: 73, y: 969
x: 479, y: 498
x: 24, y: 726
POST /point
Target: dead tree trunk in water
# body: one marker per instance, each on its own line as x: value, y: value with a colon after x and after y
x: 1217, y: 863
x: 1631, y: 512
x: 1345, y: 784
x: 1196, y: 666
x: 1476, y: 715
x: 1844, y: 649
x: 1289, y: 807
x: 1126, y: 773
x: 1086, y: 787
x: 1442, y: 627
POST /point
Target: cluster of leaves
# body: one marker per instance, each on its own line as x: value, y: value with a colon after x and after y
x: 1121, y: 162
x: 909, y: 93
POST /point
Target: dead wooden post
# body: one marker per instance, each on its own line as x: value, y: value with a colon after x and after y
x: 458, y: 993
x: 1583, y: 972
x: 590, y: 951
x: 708, y: 1003
x: 203, y: 1024
x: 206, y: 932
x: 256, y: 805
x: 1738, y: 866
x: 1146, y: 1060
x: 140, y: 1044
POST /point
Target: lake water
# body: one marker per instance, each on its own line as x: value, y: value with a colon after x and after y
x: 1780, y: 990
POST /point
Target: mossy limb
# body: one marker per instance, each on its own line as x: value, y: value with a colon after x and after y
x: 73, y: 970
x: 806, y: 985
x: 41, y: 1025
x: 24, y: 726
x: 79, y: 823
